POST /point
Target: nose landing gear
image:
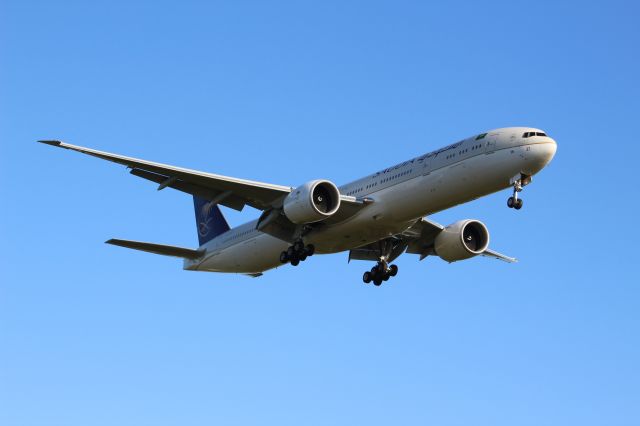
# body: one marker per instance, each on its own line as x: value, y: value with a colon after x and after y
x: 379, y: 273
x: 518, y: 183
x: 514, y: 202
x: 297, y: 253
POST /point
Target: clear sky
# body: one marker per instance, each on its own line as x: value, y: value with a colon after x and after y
x: 285, y: 92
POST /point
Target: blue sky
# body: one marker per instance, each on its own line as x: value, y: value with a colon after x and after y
x: 286, y: 92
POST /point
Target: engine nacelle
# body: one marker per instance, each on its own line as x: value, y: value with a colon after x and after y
x: 312, y: 202
x: 462, y: 240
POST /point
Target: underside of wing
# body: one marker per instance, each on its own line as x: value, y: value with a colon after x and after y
x: 391, y: 248
x: 420, y: 239
x: 499, y: 256
x: 227, y: 191
x: 224, y: 190
x: 161, y: 249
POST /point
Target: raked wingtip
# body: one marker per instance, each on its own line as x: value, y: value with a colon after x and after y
x: 51, y: 142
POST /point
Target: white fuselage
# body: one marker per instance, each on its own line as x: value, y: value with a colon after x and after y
x: 401, y: 194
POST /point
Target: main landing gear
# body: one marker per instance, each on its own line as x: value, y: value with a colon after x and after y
x: 379, y: 273
x: 297, y: 253
x: 514, y: 202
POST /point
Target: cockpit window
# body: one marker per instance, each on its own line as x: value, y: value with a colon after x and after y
x: 481, y: 136
x: 529, y: 134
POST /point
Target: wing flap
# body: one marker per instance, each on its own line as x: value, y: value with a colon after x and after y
x: 421, y: 237
x: 161, y: 249
x: 225, y: 198
x: 391, y: 247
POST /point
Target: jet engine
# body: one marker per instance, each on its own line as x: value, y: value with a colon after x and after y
x: 312, y: 202
x: 462, y: 240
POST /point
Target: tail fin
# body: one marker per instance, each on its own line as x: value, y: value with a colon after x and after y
x: 209, y: 220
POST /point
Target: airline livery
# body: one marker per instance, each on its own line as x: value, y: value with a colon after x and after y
x: 376, y: 218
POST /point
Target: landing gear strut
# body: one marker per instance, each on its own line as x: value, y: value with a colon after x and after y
x: 379, y: 273
x: 514, y: 202
x: 297, y: 253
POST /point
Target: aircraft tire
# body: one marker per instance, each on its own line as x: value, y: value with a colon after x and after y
x: 393, y: 270
x: 518, y: 204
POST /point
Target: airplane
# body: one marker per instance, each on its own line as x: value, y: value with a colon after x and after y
x: 376, y: 218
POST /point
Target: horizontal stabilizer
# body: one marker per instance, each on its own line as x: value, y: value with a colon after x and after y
x: 162, y: 249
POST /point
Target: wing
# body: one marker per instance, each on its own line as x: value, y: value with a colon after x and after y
x: 499, y: 256
x: 228, y: 191
x: 421, y: 236
x: 417, y: 239
x: 392, y: 246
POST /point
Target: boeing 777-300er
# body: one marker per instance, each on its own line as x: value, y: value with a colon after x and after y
x: 376, y: 218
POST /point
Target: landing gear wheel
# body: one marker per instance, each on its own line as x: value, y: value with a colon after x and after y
x: 381, y: 272
x: 393, y: 270
x: 298, y: 246
x: 303, y: 257
x: 510, y: 202
x: 284, y: 257
x: 291, y: 252
x: 518, y: 204
x: 295, y: 261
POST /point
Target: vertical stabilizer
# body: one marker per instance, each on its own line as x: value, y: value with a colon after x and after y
x: 209, y: 220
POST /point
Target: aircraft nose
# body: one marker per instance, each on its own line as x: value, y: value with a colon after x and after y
x: 541, y: 154
x: 548, y: 151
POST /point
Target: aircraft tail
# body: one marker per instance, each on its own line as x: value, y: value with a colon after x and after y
x: 209, y: 220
